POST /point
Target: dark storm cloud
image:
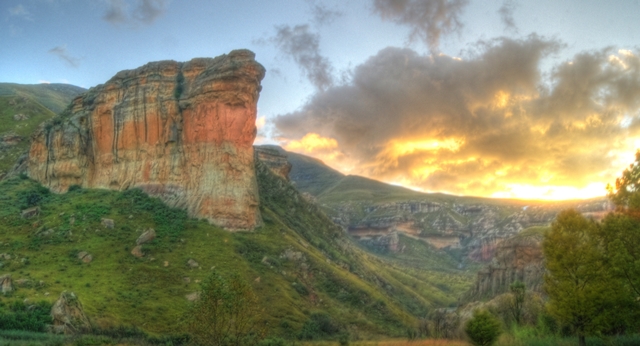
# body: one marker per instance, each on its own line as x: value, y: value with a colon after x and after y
x: 61, y: 52
x: 475, y: 124
x: 428, y: 19
x: 303, y: 46
x: 134, y: 12
x: 321, y: 14
x: 506, y: 15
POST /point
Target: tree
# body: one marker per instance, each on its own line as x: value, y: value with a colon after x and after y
x: 516, y: 304
x: 483, y: 329
x: 226, y: 313
x: 626, y: 195
x: 577, y: 282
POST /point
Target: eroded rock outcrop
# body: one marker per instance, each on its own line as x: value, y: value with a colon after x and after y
x: 68, y: 315
x: 276, y: 161
x: 519, y: 258
x: 180, y: 131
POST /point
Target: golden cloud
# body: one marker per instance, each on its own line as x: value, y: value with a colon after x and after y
x: 487, y: 125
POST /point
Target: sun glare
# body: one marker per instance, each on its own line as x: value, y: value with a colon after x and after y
x: 552, y: 193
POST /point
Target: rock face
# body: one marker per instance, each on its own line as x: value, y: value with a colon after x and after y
x: 68, y: 315
x: 179, y: 131
x: 274, y: 160
x: 519, y: 258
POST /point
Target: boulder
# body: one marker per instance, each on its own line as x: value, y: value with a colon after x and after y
x: 146, y: 237
x: 68, y: 315
x: 6, y: 285
x: 20, y: 117
x: 192, y: 264
x: 85, y: 257
x: 30, y: 213
x: 108, y: 223
x: 137, y: 251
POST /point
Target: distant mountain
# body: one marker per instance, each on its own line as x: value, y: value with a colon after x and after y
x: 22, y: 109
x: 470, y: 228
x: 55, y: 97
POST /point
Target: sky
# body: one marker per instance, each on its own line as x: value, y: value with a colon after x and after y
x: 497, y: 98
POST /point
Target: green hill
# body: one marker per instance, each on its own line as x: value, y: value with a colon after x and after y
x: 299, y: 263
x: 55, y: 97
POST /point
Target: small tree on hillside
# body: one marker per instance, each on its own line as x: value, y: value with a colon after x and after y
x: 516, y: 304
x: 226, y: 313
x: 483, y: 328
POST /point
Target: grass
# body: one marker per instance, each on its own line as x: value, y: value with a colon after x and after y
x: 299, y: 263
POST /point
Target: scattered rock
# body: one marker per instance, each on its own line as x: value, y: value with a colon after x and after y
x: 192, y: 264
x: 146, y: 237
x: 6, y: 285
x: 137, y: 251
x: 46, y: 233
x: 24, y: 260
x: 20, y: 117
x: 72, y: 220
x: 257, y: 280
x: 108, y: 223
x: 68, y: 315
x: 87, y: 258
x: 10, y: 140
x: 166, y: 263
x: 192, y: 297
x: 5, y: 256
x: 291, y: 255
x: 31, y: 212
x: 46, y: 294
x: 186, y: 279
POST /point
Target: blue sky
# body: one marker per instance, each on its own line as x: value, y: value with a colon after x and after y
x: 85, y: 42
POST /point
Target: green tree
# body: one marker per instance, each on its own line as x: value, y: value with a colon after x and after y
x: 516, y: 304
x: 225, y: 313
x: 483, y: 328
x: 579, y: 286
x: 626, y: 194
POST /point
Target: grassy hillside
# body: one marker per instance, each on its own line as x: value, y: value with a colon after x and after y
x: 300, y: 264
x: 55, y: 97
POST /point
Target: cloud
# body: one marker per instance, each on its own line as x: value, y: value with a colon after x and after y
x: 323, y: 15
x: 487, y: 124
x: 429, y: 20
x: 20, y: 11
x: 140, y: 12
x: 61, y: 52
x: 303, y: 46
x: 506, y: 15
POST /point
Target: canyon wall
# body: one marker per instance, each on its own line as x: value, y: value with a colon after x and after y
x: 519, y: 258
x: 180, y: 131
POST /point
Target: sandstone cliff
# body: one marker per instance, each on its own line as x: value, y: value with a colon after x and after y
x: 519, y: 258
x: 180, y: 131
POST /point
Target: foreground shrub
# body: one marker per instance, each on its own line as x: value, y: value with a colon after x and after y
x: 483, y: 329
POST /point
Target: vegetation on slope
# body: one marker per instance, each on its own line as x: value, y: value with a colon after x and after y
x: 303, y: 268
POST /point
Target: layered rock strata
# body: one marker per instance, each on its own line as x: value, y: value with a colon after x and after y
x: 179, y: 131
x: 274, y: 160
x: 519, y: 258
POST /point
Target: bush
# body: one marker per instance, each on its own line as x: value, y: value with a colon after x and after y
x: 483, y: 329
x: 318, y: 327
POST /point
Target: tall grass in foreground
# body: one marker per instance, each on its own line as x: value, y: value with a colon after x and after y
x: 554, y: 340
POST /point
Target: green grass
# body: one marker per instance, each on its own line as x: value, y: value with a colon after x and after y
x: 366, y: 295
x: 54, y: 96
